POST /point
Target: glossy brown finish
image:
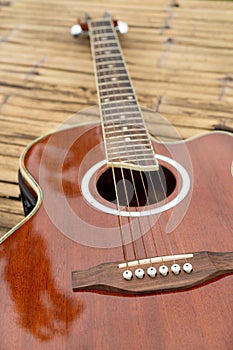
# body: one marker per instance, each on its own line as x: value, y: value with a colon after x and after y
x: 39, y: 309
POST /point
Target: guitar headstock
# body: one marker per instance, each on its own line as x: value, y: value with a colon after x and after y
x: 82, y: 26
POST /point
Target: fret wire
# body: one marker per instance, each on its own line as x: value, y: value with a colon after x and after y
x: 103, y: 50
x: 130, y: 151
x: 115, y: 66
x: 117, y: 83
x: 108, y: 123
x: 134, y: 159
x: 146, y: 147
x: 138, y: 150
x: 126, y: 130
x: 125, y: 104
x: 112, y: 73
x: 99, y: 40
x: 117, y: 89
x: 127, y: 100
x: 108, y: 59
x: 107, y: 52
x: 111, y: 108
x: 124, y: 134
x: 119, y: 95
x: 112, y: 122
x: 114, y: 117
x: 99, y: 31
x: 124, y: 107
x: 104, y: 91
x: 125, y: 145
x: 129, y: 146
x: 107, y: 56
x: 116, y: 112
x: 96, y: 31
x: 119, y: 77
x: 120, y: 114
x: 133, y: 137
x: 112, y: 102
x: 124, y: 124
x: 100, y: 24
x: 104, y: 32
x: 117, y: 117
x: 105, y: 46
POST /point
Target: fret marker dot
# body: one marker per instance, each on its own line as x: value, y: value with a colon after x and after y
x: 130, y: 97
x: 125, y: 128
x: 113, y: 79
x: 110, y: 66
x: 122, y: 116
x: 106, y: 99
x: 127, y: 139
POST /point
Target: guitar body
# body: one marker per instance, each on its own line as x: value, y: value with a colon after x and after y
x: 40, y: 310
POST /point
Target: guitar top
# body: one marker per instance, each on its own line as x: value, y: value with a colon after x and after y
x: 129, y: 245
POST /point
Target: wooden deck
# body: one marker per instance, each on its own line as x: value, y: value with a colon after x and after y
x: 179, y: 55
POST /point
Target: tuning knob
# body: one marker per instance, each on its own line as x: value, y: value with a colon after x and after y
x: 76, y: 30
x: 122, y: 27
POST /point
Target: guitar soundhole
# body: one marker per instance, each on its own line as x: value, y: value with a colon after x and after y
x: 136, y: 188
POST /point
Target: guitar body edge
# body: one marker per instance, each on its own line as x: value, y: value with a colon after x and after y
x: 39, y: 308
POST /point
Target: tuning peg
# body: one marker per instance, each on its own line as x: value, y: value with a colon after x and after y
x: 122, y: 27
x: 76, y: 30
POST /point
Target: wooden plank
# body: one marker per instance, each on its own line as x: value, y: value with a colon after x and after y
x: 9, y: 190
x: 180, y: 60
x: 9, y: 220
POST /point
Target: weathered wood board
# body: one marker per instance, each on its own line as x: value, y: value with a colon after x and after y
x: 179, y: 54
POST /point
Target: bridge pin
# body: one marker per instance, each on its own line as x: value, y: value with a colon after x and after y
x: 151, y: 271
x: 163, y: 270
x: 139, y: 273
x: 127, y: 274
x: 187, y: 267
x: 175, y: 269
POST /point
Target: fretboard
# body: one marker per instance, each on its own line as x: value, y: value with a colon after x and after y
x: 127, y: 142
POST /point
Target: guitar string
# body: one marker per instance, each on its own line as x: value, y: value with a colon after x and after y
x: 90, y: 26
x: 120, y: 218
x: 165, y: 237
x: 164, y: 192
x: 138, y: 205
x: 132, y: 233
x: 166, y: 240
x: 162, y: 296
x: 146, y: 195
x: 125, y: 187
x: 140, y: 222
x: 163, y: 301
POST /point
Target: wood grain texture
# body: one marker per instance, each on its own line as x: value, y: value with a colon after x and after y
x: 40, y: 309
x: 179, y: 57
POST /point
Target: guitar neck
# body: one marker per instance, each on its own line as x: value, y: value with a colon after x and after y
x: 127, y: 142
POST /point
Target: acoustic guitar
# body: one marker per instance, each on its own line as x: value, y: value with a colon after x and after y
x: 129, y: 242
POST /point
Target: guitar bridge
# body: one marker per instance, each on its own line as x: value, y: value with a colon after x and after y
x: 154, y: 275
